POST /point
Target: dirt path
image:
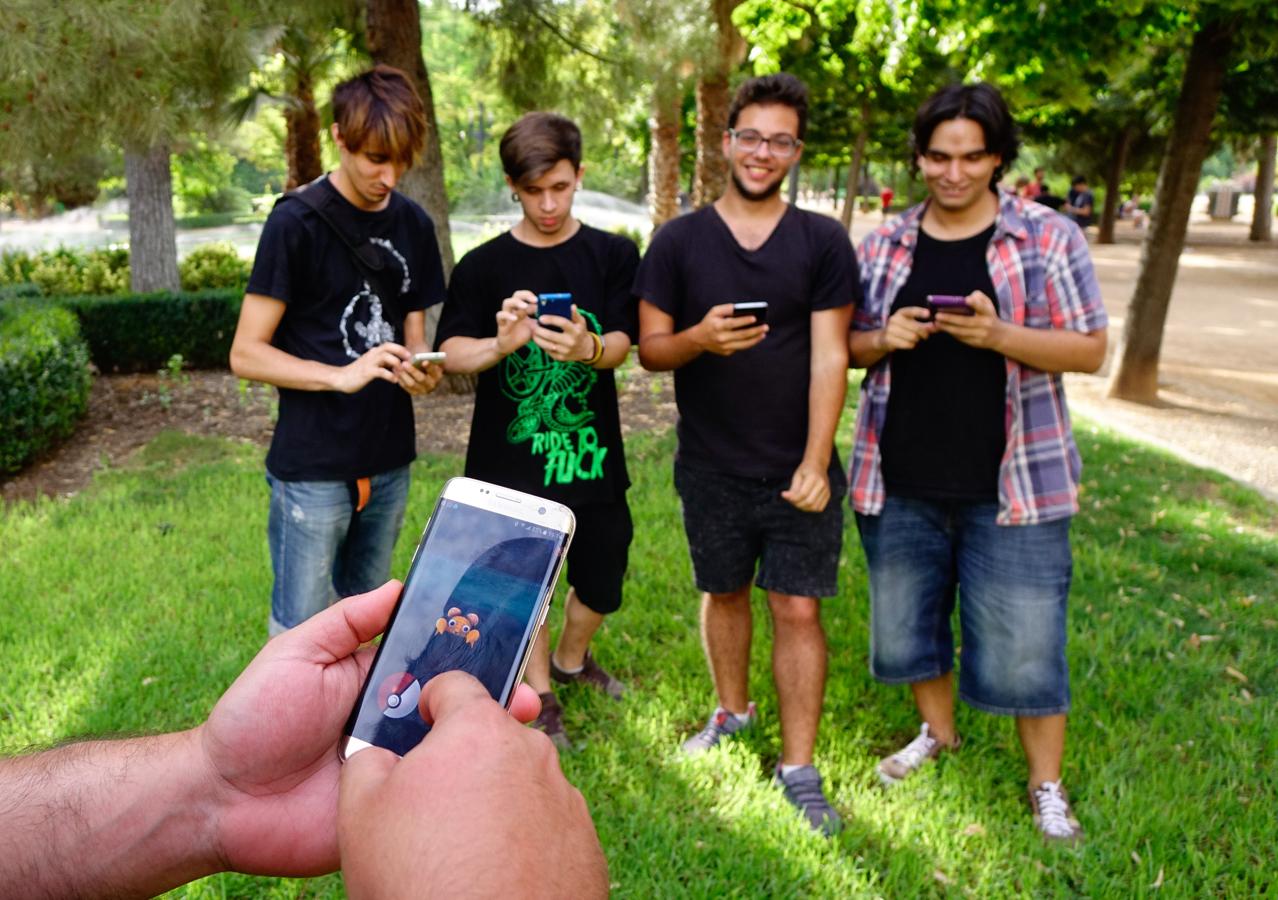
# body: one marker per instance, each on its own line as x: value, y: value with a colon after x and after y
x: 1219, y: 368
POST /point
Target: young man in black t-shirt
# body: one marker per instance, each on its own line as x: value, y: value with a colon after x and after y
x: 545, y: 418
x: 337, y: 337
x: 758, y: 407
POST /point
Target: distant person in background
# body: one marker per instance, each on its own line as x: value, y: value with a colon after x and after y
x: 886, y: 196
x: 1080, y: 202
x: 1034, y: 188
x: 1132, y: 210
x: 334, y: 311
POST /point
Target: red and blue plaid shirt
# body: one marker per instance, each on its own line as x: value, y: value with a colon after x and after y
x: 1042, y: 274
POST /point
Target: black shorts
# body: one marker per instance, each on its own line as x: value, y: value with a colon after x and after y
x: 599, y: 554
x: 734, y: 522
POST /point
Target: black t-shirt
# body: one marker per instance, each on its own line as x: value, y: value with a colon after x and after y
x: 747, y: 414
x: 333, y: 315
x: 1079, y: 199
x: 550, y: 428
x: 945, y: 433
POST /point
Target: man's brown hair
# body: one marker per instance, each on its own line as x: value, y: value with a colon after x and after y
x: 780, y: 89
x: 531, y: 147
x: 381, y: 107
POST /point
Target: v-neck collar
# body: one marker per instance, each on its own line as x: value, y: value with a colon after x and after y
x: 771, y: 234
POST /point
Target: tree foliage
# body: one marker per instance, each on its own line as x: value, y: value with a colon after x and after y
x: 137, y: 74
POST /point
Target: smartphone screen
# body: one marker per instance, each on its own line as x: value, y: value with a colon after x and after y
x: 477, y: 591
x: 554, y: 305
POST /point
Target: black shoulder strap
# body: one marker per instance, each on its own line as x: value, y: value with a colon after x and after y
x: 365, y: 254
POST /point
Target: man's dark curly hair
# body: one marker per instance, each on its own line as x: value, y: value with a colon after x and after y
x: 782, y: 89
x: 980, y: 102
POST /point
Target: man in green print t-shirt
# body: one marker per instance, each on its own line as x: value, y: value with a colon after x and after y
x: 546, y: 418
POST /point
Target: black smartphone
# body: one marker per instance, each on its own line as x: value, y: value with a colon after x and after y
x: 476, y: 593
x: 948, y: 303
x: 756, y: 308
x: 554, y: 305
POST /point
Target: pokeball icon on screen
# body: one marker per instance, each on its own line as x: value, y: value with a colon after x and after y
x: 398, y: 694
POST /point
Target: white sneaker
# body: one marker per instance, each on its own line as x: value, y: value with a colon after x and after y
x: 1053, y: 815
x: 912, y: 756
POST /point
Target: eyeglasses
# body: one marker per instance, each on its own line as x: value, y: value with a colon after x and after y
x: 781, y: 145
x: 938, y: 159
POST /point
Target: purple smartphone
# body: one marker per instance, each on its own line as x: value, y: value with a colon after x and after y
x: 948, y: 303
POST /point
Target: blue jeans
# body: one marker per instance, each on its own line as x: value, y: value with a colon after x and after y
x: 322, y: 549
x: 1012, y: 583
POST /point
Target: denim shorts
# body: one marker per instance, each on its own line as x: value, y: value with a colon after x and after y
x: 1011, y: 581
x: 734, y: 523
x: 322, y: 549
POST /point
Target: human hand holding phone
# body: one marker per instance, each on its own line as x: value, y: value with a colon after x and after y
x: 981, y: 327
x: 471, y: 788
x: 421, y: 374
x: 562, y: 330
x: 274, y: 809
x: 723, y: 333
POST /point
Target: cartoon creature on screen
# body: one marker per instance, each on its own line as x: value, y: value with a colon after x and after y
x: 464, y: 626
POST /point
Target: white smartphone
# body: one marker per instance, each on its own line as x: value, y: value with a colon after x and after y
x: 422, y: 359
x: 476, y: 593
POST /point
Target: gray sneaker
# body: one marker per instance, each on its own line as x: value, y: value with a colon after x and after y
x: 722, y: 724
x: 551, y: 721
x: 802, y: 788
x: 1053, y: 815
x: 910, y: 758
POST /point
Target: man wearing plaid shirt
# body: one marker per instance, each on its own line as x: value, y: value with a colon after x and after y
x: 964, y: 474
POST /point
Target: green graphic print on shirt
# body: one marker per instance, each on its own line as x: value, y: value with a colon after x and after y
x: 553, y: 412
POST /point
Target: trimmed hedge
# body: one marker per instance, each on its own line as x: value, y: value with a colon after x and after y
x: 44, y: 381
x: 140, y: 332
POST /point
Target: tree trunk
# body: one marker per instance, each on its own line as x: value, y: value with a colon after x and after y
x: 711, y: 177
x: 793, y: 187
x: 1117, y: 163
x: 713, y: 99
x: 152, y: 232
x: 394, y: 32
x: 302, y: 141
x: 854, y: 170
x: 1136, y: 376
x: 663, y: 160
x: 1262, y: 219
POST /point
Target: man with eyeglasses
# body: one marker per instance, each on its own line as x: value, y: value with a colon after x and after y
x: 759, y: 398
x: 964, y: 470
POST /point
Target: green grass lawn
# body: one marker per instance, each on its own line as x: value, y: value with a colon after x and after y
x: 131, y: 607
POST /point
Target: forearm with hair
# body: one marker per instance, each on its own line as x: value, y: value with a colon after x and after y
x: 828, y: 385
x: 106, y: 819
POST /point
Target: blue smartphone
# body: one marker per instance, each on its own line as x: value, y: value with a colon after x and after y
x: 554, y: 305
